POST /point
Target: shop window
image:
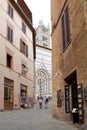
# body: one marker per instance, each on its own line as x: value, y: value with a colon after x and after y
x: 23, y: 48
x: 8, y: 94
x: 23, y: 90
x: 10, y: 34
x: 23, y: 94
x: 23, y: 28
x: 65, y: 29
x: 10, y: 11
x: 9, y: 61
x: 8, y: 90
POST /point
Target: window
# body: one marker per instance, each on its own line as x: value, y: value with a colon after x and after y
x: 8, y: 94
x: 23, y: 93
x: 8, y: 90
x: 9, y: 61
x: 65, y: 29
x: 44, y: 44
x: 38, y: 82
x: 24, y: 69
x: 44, y: 38
x: 23, y: 27
x: 10, y: 11
x: 23, y: 48
x: 10, y: 34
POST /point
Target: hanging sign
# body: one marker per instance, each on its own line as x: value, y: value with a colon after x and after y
x: 67, y: 99
x: 80, y: 104
x: 85, y: 94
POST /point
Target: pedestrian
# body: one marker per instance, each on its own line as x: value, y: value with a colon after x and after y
x: 40, y: 102
x: 26, y: 102
x: 46, y: 102
x: 37, y: 98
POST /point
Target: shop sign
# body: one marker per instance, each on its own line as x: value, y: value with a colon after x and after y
x: 85, y: 94
x: 80, y: 103
x: 67, y: 99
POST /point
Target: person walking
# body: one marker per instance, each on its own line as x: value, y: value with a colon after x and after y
x: 40, y: 102
x: 46, y: 102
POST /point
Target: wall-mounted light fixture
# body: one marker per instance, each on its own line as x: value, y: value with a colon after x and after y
x: 24, y: 69
x: 57, y: 74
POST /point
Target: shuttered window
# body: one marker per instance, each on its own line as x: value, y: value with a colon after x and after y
x: 23, y: 48
x: 63, y: 33
x: 67, y: 25
x: 65, y: 29
x: 10, y: 11
x: 10, y: 34
x: 23, y: 27
x: 21, y: 45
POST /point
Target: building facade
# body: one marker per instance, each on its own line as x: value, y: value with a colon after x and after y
x: 17, y: 53
x: 69, y: 55
x: 43, y: 61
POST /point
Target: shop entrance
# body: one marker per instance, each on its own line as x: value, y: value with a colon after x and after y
x: 75, y: 112
x: 8, y: 94
x: 72, y: 81
x: 23, y: 94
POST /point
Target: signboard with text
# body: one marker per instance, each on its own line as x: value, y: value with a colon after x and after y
x: 85, y: 94
x: 67, y: 99
x: 80, y: 103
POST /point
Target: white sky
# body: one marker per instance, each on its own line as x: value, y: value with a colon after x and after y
x: 40, y: 11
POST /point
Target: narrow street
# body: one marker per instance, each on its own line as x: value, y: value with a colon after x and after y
x: 32, y: 119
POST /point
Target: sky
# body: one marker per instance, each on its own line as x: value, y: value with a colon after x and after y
x: 40, y: 11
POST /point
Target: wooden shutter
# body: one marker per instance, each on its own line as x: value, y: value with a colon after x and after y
x: 8, y: 35
x: 11, y: 13
x: 65, y: 28
x: 67, y: 25
x: 23, y: 27
x: 21, y: 46
x: 63, y: 33
x: 27, y: 50
x: 8, y: 9
x: 11, y: 35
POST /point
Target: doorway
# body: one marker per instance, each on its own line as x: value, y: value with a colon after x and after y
x: 23, y: 94
x: 8, y: 94
x: 72, y: 81
x: 75, y: 112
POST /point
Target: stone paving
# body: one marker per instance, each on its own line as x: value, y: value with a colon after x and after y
x: 32, y: 119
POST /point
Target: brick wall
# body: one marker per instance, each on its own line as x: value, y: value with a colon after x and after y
x: 75, y: 56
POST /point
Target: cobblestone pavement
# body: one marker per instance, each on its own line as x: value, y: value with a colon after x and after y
x: 32, y: 119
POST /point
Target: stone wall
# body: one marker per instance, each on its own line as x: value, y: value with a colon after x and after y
x: 75, y: 55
